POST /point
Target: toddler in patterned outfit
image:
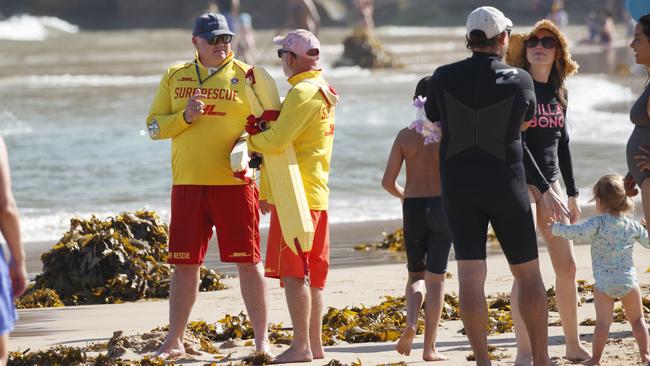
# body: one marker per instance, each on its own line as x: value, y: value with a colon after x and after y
x: 612, y: 236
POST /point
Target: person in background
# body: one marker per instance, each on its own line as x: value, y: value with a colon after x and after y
x: 246, y: 44
x: 612, y: 236
x: 558, y: 15
x: 302, y: 14
x: 426, y: 237
x: 13, y: 278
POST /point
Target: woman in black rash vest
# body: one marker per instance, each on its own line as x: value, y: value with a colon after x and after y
x: 638, y: 154
x: 545, y: 55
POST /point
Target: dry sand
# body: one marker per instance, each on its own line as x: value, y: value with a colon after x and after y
x: 79, y: 326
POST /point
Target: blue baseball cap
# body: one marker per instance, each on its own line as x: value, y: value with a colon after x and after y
x: 211, y: 24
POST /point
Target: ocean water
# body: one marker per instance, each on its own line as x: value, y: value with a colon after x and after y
x: 73, y: 106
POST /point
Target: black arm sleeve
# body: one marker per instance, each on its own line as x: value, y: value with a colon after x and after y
x: 533, y: 173
x: 565, y: 162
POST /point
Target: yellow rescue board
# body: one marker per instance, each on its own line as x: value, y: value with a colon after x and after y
x: 284, y: 178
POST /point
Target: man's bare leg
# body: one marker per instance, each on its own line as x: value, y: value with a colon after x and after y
x: 531, y: 298
x: 471, y: 277
x: 415, y: 291
x: 299, y: 304
x: 254, y: 293
x: 524, y: 355
x: 316, y: 324
x: 435, y: 284
x: 182, y: 295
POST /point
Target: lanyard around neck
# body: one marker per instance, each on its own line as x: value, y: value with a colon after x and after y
x: 198, y: 74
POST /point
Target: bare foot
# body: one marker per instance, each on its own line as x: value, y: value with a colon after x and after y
x: 645, y: 358
x: 263, y: 346
x: 294, y: 355
x: 318, y: 352
x: 403, y: 346
x: 171, y: 349
x: 433, y: 355
x: 578, y: 355
x: 526, y: 360
x: 591, y: 362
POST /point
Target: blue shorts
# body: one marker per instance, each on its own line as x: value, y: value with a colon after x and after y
x: 8, y: 315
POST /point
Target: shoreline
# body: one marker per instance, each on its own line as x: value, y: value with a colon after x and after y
x: 79, y: 326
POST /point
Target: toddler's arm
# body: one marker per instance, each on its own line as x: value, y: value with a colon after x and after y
x: 586, y: 230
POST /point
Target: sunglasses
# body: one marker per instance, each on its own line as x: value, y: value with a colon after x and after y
x: 547, y: 42
x: 282, y: 51
x: 222, y: 38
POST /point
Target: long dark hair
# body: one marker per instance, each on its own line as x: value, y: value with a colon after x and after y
x: 644, y: 22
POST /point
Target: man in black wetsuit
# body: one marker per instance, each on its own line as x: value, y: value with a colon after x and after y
x: 481, y: 104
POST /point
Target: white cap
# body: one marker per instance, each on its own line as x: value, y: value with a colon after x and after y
x: 488, y: 19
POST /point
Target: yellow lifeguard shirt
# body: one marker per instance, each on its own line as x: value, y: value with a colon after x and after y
x: 306, y: 121
x: 201, y: 150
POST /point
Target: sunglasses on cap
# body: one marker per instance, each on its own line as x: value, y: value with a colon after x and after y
x: 282, y: 51
x: 222, y: 38
x: 547, y: 42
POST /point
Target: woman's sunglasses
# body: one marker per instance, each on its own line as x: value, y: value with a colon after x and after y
x: 222, y: 38
x: 547, y: 42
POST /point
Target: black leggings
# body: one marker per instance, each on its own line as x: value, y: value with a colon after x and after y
x: 425, y: 235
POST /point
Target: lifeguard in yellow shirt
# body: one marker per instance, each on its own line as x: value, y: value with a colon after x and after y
x: 306, y: 122
x: 202, y: 106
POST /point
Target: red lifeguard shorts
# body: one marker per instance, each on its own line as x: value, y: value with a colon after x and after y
x: 232, y: 210
x: 282, y: 262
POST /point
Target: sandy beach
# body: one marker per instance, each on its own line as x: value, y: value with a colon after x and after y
x: 347, y: 286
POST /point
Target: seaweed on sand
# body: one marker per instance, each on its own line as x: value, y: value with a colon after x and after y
x: 392, y: 241
x: 121, y: 258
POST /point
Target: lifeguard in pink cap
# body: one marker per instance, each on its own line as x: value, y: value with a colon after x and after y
x: 306, y: 122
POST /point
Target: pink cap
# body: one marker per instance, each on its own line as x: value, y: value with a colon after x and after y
x: 301, y: 42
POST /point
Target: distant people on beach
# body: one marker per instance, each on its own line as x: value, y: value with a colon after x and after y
x: 365, y: 12
x: 612, y: 236
x: 558, y: 15
x: 302, y: 14
x: 544, y: 53
x: 246, y: 48
x: 13, y: 275
x: 230, y: 10
x: 426, y: 236
x: 638, y: 145
x: 306, y: 122
x: 196, y: 106
x: 483, y: 178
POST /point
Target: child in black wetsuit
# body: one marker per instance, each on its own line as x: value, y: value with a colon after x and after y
x: 425, y: 232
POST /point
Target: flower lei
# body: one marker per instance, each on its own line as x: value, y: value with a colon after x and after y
x: 430, y: 130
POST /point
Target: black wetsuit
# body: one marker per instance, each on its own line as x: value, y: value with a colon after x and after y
x: 548, y: 141
x: 481, y: 104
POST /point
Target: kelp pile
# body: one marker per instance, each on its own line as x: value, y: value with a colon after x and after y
x: 499, y: 316
x: 380, y: 323
x: 491, y: 355
x: 62, y: 355
x: 118, y: 259
x: 392, y: 241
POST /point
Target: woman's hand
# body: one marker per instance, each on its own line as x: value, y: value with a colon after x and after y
x: 629, y: 184
x: 548, y: 228
x: 574, y: 208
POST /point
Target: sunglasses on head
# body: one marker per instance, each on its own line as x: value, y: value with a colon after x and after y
x: 222, y: 38
x: 282, y: 51
x: 547, y: 42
